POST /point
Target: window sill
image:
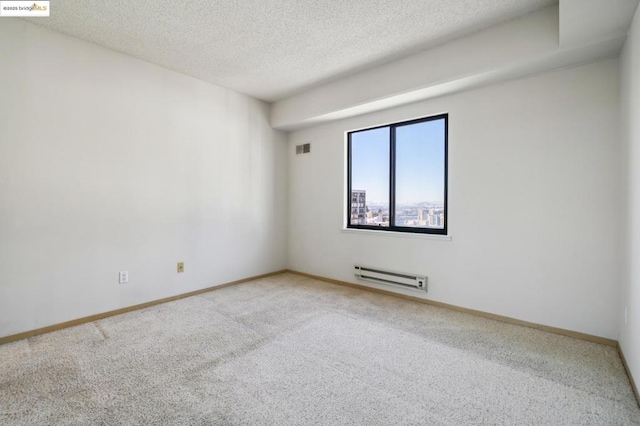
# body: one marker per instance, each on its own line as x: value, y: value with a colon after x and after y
x: 396, y: 234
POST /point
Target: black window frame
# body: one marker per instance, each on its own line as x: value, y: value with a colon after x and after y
x: 392, y: 174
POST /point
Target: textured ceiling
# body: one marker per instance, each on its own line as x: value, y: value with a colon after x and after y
x: 270, y: 49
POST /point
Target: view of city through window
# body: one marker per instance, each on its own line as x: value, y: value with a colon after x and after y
x: 419, y: 180
x: 423, y: 215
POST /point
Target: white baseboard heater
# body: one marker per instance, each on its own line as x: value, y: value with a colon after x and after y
x: 400, y: 279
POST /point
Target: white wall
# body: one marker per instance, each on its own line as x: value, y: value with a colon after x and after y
x: 629, y: 338
x: 108, y: 163
x: 533, y: 208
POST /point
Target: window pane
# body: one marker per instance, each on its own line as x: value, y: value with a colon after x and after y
x: 420, y: 175
x: 370, y: 177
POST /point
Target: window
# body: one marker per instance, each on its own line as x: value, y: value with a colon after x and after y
x: 397, y: 177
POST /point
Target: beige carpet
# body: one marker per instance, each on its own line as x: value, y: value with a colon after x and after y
x: 288, y: 350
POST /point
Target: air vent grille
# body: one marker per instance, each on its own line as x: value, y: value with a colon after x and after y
x: 303, y: 149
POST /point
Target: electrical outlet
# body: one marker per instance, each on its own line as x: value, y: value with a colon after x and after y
x: 124, y: 277
x: 180, y: 267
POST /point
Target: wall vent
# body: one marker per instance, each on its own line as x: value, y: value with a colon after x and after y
x: 398, y: 279
x: 303, y: 149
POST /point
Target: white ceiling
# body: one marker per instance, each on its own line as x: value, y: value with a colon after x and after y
x: 270, y: 49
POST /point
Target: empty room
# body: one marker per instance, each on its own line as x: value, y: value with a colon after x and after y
x: 285, y: 212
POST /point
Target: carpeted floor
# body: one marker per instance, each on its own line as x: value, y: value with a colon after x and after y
x: 288, y: 350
